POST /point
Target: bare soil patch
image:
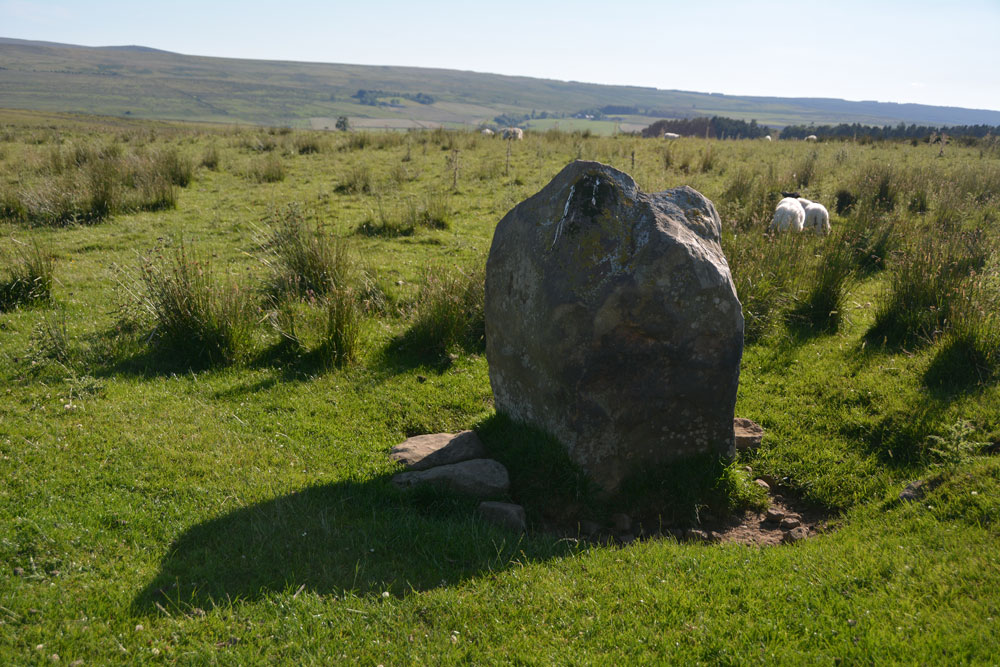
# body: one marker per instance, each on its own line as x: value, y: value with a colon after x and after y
x: 786, y: 520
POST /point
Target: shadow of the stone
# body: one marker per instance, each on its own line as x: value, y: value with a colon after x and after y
x: 356, y: 537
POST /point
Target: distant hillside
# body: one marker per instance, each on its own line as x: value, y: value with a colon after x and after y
x: 149, y: 83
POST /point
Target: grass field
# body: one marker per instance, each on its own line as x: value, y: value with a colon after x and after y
x: 194, y: 423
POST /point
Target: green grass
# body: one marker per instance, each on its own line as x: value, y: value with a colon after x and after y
x: 182, y: 507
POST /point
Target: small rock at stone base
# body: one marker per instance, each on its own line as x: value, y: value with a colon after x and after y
x: 790, y: 522
x: 676, y: 533
x: 774, y: 515
x: 437, y: 449
x: 913, y: 491
x: 589, y: 528
x: 507, y: 515
x: 770, y: 480
x: 762, y: 484
x: 794, y: 535
x: 695, y: 534
x: 480, y: 478
x: 626, y: 538
x: 748, y: 434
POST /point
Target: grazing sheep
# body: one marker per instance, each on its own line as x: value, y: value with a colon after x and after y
x: 817, y: 217
x: 671, y: 135
x: 812, y: 137
x: 788, y: 216
x: 513, y: 133
x: 767, y: 138
x: 487, y: 132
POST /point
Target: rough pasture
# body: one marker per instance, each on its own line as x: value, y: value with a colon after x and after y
x: 228, y: 499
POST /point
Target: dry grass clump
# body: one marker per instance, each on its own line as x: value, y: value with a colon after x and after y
x: 929, y: 278
x: 450, y: 310
x: 26, y: 276
x: 86, y: 184
x: 313, y: 273
x: 193, y: 313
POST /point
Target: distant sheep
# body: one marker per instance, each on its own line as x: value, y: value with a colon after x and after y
x: 817, y: 217
x: 789, y: 216
x: 812, y: 137
x: 513, y: 133
x: 671, y: 135
x: 767, y: 138
x: 487, y: 132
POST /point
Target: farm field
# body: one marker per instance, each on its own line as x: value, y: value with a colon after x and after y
x: 210, y: 338
x: 140, y: 82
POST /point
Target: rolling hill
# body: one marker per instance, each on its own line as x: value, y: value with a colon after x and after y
x: 149, y: 83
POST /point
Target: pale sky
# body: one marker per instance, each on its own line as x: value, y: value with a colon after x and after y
x: 929, y: 52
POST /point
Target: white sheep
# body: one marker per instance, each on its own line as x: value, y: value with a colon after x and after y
x: 812, y: 137
x: 767, y: 137
x: 789, y: 215
x: 671, y: 135
x: 487, y: 132
x: 514, y: 133
x: 817, y: 217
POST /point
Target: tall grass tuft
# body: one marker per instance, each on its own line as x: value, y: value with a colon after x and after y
x: 433, y: 212
x: 87, y: 185
x: 805, y: 170
x: 268, y: 168
x: 26, y: 277
x: 357, y: 141
x: 303, y: 259
x: 878, y: 187
x: 822, y: 307
x: 318, y: 271
x: 50, y: 339
x: 927, y: 281
x: 765, y: 271
x: 176, y: 168
x: 449, y: 312
x: 307, y: 144
x: 750, y: 198
x: 195, y: 315
x: 210, y: 158
x: 969, y: 356
x: 872, y: 238
x: 342, y: 335
x: 359, y: 179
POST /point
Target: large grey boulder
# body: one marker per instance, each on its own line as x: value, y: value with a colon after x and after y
x: 612, y: 322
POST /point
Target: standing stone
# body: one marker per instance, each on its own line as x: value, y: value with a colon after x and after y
x: 612, y: 322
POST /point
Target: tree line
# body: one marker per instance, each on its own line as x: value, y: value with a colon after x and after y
x: 902, y: 131
x: 373, y: 98
x: 716, y: 127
